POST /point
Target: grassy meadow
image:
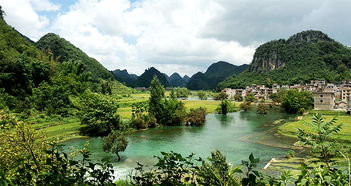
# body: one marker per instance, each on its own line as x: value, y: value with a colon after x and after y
x: 290, y: 128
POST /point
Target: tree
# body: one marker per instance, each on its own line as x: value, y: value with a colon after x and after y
x: 319, y: 139
x: 223, y: 108
x: 196, y: 117
x: 245, y: 106
x: 202, y: 95
x: 220, y: 96
x: 157, y: 94
x: 115, y: 142
x: 98, y: 114
x: 250, y: 98
x: 294, y: 101
x: 181, y: 92
x: 238, y: 97
x: 262, y: 108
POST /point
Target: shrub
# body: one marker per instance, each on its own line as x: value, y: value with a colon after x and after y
x: 245, y: 106
x: 98, y: 114
x: 202, y: 95
x: 220, y: 96
x: 196, y: 117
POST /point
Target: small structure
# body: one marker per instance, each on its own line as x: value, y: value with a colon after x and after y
x: 324, y: 100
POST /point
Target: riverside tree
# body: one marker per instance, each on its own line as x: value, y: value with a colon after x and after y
x: 98, y: 114
x: 157, y: 94
x: 115, y: 142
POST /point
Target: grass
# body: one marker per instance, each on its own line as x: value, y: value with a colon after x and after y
x: 290, y: 128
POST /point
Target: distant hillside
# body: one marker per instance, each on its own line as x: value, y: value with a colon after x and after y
x: 124, y: 77
x: 305, y: 56
x: 186, y: 78
x: 175, y: 80
x: 62, y: 50
x: 144, y: 79
x: 215, y: 73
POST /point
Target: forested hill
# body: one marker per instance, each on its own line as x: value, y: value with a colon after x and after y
x: 305, y: 56
x: 22, y: 65
x: 144, y: 79
x: 62, y: 50
x: 32, y: 80
x: 215, y: 73
x: 124, y: 77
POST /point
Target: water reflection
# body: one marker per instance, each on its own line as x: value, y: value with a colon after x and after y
x: 225, y: 120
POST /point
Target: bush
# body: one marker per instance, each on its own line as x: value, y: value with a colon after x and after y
x: 262, y: 108
x: 245, y: 106
x: 238, y: 97
x: 196, y: 117
x: 250, y: 98
x: 220, y: 96
x: 226, y: 106
x: 98, y: 114
x: 202, y: 95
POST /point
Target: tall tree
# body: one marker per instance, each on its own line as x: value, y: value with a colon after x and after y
x: 157, y: 94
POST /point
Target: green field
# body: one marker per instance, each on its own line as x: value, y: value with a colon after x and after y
x: 290, y: 128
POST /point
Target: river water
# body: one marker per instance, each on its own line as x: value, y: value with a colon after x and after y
x: 230, y: 134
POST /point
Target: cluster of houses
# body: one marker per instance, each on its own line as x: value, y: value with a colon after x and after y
x: 327, y: 96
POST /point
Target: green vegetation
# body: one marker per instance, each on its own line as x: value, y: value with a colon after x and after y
x: 27, y: 157
x: 220, y: 96
x: 144, y: 80
x: 196, y: 117
x: 115, y: 142
x: 294, y: 101
x: 202, y: 95
x: 305, y: 56
x: 290, y: 128
x: 181, y: 92
x: 250, y: 97
x: 225, y: 107
x: 215, y: 73
x: 98, y: 114
x: 262, y: 108
x: 245, y: 106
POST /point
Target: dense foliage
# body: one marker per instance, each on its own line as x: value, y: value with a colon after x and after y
x: 294, y: 101
x: 27, y: 157
x: 124, y: 77
x: 115, y: 142
x: 98, y: 114
x: 215, y: 73
x: 196, y: 117
x: 306, y: 56
x: 167, y: 111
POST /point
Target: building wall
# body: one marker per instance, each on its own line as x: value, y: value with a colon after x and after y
x: 324, y: 101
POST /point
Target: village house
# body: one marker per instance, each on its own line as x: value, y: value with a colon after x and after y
x: 326, y: 96
x: 324, y: 100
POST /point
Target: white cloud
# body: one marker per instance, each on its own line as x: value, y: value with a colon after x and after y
x: 22, y: 15
x: 178, y: 35
x: 167, y: 34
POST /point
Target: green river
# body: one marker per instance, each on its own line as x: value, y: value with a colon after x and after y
x: 236, y: 135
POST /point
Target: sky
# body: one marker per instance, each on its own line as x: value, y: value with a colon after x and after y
x: 183, y: 36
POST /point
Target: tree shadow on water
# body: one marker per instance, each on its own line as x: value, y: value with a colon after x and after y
x: 224, y: 120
